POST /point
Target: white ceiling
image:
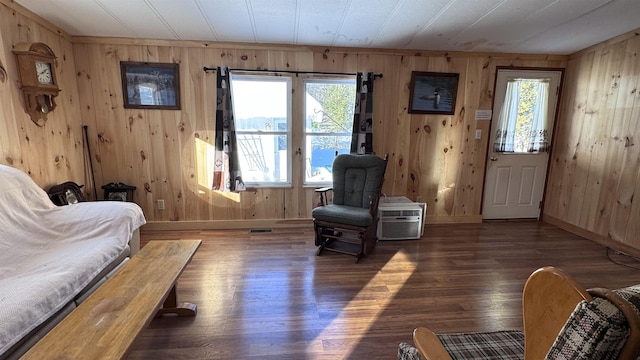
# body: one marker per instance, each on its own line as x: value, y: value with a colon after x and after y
x: 514, y: 26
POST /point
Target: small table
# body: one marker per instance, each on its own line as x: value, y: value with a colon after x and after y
x: 107, y: 323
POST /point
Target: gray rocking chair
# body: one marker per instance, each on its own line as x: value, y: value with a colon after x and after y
x: 349, y: 225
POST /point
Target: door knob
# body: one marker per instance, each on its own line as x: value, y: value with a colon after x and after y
x: 493, y: 158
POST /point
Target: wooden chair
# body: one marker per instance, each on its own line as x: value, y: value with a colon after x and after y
x: 349, y: 225
x: 551, y: 301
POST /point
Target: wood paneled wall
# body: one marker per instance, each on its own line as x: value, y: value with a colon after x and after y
x: 593, y: 175
x: 167, y: 154
x: 595, y: 167
x: 53, y: 153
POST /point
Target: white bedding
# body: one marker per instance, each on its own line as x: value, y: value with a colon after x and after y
x: 48, y: 253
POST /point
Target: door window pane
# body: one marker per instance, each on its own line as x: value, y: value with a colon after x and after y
x: 523, y: 121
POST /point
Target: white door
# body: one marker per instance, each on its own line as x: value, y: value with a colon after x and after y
x: 523, y: 115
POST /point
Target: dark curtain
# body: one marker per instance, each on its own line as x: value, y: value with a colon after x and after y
x: 362, y: 137
x: 226, y: 170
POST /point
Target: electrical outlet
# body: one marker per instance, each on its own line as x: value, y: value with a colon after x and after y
x: 160, y: 204
x: 478, y: 134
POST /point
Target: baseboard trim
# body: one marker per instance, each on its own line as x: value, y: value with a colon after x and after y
x: 590, y: 235
x: 227, y: 224
x: 464, y: 219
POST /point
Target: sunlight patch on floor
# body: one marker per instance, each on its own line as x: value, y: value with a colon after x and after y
x: 348, y: 324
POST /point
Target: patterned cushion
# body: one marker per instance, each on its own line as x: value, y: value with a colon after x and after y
x: 632, y: 295
x: 495, y: 345
x: 595, y: 330
x: 408, y: 352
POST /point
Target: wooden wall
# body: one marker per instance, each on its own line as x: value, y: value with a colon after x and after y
x: 595, y: 167
x: 164, y: 153
x: 54, y: 153
x: 593, y: 176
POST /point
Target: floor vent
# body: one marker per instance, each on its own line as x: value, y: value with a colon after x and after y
x: 253, y: 231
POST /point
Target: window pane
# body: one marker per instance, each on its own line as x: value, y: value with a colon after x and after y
x: 329, y: 105
x: 318, y: 166
x: 329, y: 108
x: 523, y: 120
x: 259, y: 104
x: 528, y: 123
x: 263, y: 158
x: 261, y: 112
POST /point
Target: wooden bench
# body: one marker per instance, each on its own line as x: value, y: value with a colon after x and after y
x: 107, y: 323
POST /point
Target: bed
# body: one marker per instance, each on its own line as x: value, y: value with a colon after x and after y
x: 52, y: 258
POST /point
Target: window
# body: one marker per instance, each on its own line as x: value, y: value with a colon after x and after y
x: 328, y: 113
x: 523, y: 121
x: 266, y: 134
x: 262, y: 112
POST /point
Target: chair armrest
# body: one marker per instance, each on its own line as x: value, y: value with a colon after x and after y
x: 429, y: 345
x: 631, y: 347
x: 323, y: 195
x: 324, y: 189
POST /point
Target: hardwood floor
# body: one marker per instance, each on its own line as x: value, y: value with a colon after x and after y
x: 268, y: 296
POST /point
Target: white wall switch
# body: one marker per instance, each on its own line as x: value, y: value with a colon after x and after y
x: 478, y: 134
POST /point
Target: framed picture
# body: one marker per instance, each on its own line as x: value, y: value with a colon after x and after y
x: 117, y: 196
x: 118, y: 192
x: 433, y: 93
x: 150, y: 85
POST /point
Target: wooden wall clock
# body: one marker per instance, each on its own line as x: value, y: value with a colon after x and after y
x: 36, y: 68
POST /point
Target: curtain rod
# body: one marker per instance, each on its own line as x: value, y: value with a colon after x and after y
x: 291, y: 72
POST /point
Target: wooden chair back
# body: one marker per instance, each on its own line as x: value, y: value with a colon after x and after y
x: 550, y: 295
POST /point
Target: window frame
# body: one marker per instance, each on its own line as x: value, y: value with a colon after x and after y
x: 307, y: 149
x: 296, y: 131
x: 244, y: 76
